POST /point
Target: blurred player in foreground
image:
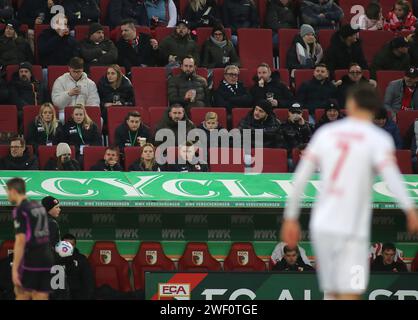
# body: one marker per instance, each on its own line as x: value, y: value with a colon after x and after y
x: 32, y: 260
x: 348, y: 154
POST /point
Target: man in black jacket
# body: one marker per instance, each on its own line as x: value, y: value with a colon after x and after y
x: 132, y: 132
x: 110, y: 162
x: 96, y: 50
x: 386, y: 261
x: 296, y: 130
x: 52, y: 207
x: 19, y: 157
x: 136, y: 49
x: 78, y: 272
x: 292, y: 261
x: 14, y: 49
x: 119, y: 10
x: 81, y: 11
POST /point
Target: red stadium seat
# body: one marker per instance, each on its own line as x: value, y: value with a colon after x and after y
x: 4, y: 150
x: 132, y: 154
x: 6, y: 248
x: 262, y: 8
x: 203, y: 72
x: 104, y: 5
x: 196, y: 257
x: 271, y: 161
x: 404, y: 161
x: 324, y: 37
x: 384, y: 77
x: 36, y: 71
x: 204, y: 33
x: 155, y: 116
x: 387, y: 5
x: 301, y: 76
x: 181, y: 7
x: 150, y: 86
x: 54, y: 72
x: 318, y: 114
x: 92, y: 154
x: 373, y: 42
x: 226, y: 160
x: 162, y: 32
x: 115, y: 34
x: 238, y: 114
x: 97, y: 72
x: 116, y: 116
x: 29, y: 114
x: 255, y: 47
x: 296, y: 156
x: 93, y: 112
x: 48, y: 152
x: 283, y: 114
x: 242, y: 258
x: 82, y: 32
x: 405, y: 119
x: 286, y: 37
x: 339, y: 74
x: 150, y: 257
x: 8, y: 118
x: 39, y: 28
x: 108, y: 266
x: 218, y: 76
x: 198, y: 115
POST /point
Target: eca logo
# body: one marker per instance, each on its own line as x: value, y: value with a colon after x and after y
x: 174, y: 291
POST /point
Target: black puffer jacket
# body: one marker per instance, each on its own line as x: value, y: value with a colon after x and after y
x: 281, y: 92
x: 142, y: 54
x: 125, y: 92
x: 101, y: 165
x: 239, y: 14
x: 167, y: 123
x: 213, y: 55
x: 138, y: 166
x: 202, y: 17
x: 119, y: 10
x: 81, y: 11
x: 180, y: 84
x: 6, y: 10
x: 25, y: 92
x: 296, y: 134
x: 342, y: 90
x: 89, y: 136
x: 279, y: 16
x: 92, y: 53
x: 314, y: 94
x: 14, y: 51
x: 26, y: 162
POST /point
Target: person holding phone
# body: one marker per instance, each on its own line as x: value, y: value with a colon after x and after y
x: 62, y: 161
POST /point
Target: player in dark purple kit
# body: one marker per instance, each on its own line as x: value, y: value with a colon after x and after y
x: 32, y: 259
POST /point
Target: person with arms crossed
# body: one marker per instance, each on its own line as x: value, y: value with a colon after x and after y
x: 347, y: 156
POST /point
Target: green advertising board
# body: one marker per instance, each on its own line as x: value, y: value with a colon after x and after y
x: 156, y: 189
x: 266, y: 286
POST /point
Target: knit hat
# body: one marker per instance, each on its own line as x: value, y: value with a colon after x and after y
x: 182, y: 21
x: 26, y: 65
x: 63, y: 148
x: 332, y: 104
x: 412, y: 72
x: 347, y: 31
x: 306, y: 29
x: 14, y: 24
x: 49, y: 202
x: 399, y: 42
x: 94, y: 27
x: 296, y: 108
x: 265, y: 105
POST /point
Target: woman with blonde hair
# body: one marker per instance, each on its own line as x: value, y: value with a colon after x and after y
x: 147, y: 161
x: 45, y: 129
x: 81, y: 131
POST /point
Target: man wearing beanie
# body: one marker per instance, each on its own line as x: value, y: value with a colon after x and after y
x: 345, y: 48
x: 52, y: 207
x: 305, y: 51
x: 14, y: 49
x: 262, y: 117
x: 296, y: 130
x: 96, y: 50
x: 321, y: 14
x: 393, y: 56
x: 63, y: 161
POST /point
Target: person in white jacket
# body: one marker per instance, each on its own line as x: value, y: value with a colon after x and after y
x: 74, y: 87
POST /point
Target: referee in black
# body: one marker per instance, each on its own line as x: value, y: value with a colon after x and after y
x: 32, y: 260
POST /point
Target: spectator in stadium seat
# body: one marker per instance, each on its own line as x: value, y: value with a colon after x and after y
x: 305, y: 51
x: 372, y: 19
x: 115, y: 89
x: 353, y: 77
x: 201, y: 13
x: 78, y: 272
x: 332, y: 113
x: 218, y: 51
x: 345, y: 48
x: 402, y: 94
x: 209, y: 124
x: 267, y: 85
x: 321, y: 14
x: 315, y: 93
x: 19, y: 157
x: 14, y: 49
x: 80, y: 131
x: 231, y: 92
x: 187, y: 160
x: 280, y: 14
x: 238, y: 14
x: 173, y: 119
x: 52, y: 41
x: 401, y: 18
x: 383, y: 121
x: 81, y: 12
x: 96, y: 50
x: 393, y: 56
x: 147, y: 160
x: 33, y: 12
x: 6, y: 10
x: 74, y: 87
x: 131, y: 132
x: 175, y: 47
x: 62, y: 161
x: 386, y: 261
x: 120, y: 10
x: 263, y: 118
x: 45, y: 129
x: 188, y: 87
x: 161, y: 13
x: 296, y: 131
x: 25, y: 89
x: 110, y: 161
x: 136, y: 49
x: 413, y: 45
x: 291, y: 261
